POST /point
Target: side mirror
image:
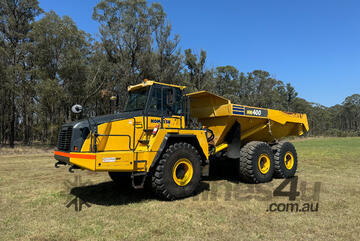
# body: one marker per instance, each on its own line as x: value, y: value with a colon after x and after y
x: 116, y: 99
x: 77, y: 109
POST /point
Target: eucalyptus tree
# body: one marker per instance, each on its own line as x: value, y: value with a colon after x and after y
x: 350, y: 113
x: 60, y: 53
x: 137, y: 41
x: 16, y: 18
x: 195, y: 74
x: 228, y: 82
x: 168, y: 59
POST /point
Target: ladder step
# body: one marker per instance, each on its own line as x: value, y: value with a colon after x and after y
x: 142, y: 176
x: 136, y: 174
x: 136, y: 162
x: 144, y: 141
x: 139, y: 161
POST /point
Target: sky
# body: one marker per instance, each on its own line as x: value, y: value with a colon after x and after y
x: 312, y: 44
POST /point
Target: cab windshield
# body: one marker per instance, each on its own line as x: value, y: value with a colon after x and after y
x: 137, y: 100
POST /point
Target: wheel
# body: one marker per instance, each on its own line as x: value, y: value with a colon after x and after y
x: 285, y: 159
x: 178, y: 172
x: 121, y: 178
x: 256, y: 162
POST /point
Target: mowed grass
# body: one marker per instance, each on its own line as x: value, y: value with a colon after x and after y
x: 34, y: 195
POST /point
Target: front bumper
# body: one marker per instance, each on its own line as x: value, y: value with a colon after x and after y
x: 122, y: 161
x: 86, y: 161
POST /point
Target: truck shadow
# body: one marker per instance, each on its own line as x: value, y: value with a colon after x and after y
x: 110, y: 194
x: 224, y: 169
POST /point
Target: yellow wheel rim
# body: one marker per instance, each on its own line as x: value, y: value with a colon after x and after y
x: 183, y: 172
x: 289, y: 160
x: 264, y: 163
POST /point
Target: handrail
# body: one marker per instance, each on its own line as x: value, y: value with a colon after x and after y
x: 94, y: 147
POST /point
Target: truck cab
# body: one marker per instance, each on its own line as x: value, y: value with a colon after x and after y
x: 129, y: 145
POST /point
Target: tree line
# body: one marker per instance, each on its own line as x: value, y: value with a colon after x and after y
x: 47, y: 64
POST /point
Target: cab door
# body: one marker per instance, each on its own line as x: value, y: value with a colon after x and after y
x: 173, y: 108
x: 165, y: 108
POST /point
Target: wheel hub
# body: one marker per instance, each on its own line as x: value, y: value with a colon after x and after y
x: 182, y: 172
x: 289, y: 160
x: 264, y: 163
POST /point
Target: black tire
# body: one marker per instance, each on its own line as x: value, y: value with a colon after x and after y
x: 121, y: 178
x: 283, y: 152
x: 163, y: 182
x: 252, y: 158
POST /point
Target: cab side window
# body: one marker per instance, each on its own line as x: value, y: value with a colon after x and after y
x: 178, y: 106
x: 165, y: 101
x: 168, y: 100
x: 155, y: 101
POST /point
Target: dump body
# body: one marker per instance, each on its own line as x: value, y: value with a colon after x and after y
x: 256, y: 124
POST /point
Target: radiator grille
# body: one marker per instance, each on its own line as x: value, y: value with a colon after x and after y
x: 64, y: 139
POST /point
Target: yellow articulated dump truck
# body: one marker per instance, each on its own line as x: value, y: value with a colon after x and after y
x: 166, y: 138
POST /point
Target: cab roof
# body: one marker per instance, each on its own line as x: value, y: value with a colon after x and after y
x: 149, y: 83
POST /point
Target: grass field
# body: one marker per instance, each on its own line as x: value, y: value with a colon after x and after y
x: 34, y: 195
